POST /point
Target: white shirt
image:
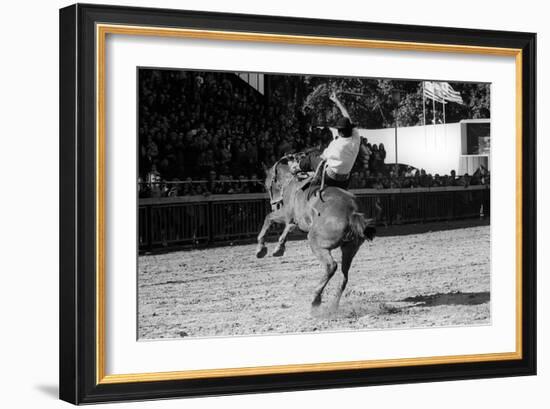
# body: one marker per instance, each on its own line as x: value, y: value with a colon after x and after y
x: 342, y: 152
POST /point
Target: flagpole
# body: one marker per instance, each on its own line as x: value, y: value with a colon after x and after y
x: 444, y: 125
x: 433, y: 107
x: 424, y: 103
x: 424, y: 113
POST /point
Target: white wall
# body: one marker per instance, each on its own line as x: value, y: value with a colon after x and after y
x: 434, y: 148
x: 29, y: 224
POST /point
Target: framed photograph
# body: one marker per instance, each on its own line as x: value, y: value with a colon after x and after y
x: 257, y: 203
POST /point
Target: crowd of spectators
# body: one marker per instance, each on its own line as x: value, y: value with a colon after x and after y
x: 192, y: 123
x: 360, y: 179
x: 223, y: 184
x: 203, y: 133
x: 415, y: 178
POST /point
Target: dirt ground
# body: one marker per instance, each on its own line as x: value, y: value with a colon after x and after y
x: 431, y: 279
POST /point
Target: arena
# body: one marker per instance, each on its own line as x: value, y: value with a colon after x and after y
x: 439, y: 278
x: 208, y: 143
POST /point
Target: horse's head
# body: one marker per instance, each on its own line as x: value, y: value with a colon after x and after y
x: 277, y: 177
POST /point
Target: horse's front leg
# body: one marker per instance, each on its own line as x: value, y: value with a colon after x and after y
x: 280, y: 249
x: 273, y: 217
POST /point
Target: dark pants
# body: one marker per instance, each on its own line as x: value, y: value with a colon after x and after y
x: 310, y: 163
x: 344, y: 184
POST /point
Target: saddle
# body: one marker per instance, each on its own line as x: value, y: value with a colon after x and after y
x: 316, y: 182
x: 311, y: 186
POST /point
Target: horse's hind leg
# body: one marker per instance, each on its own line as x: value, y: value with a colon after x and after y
x: 280, y: 249
x: 349, y: 249
x: 329, y: 266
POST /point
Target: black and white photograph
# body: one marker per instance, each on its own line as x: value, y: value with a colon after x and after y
x: 275, y: 203
x: 284, y: 204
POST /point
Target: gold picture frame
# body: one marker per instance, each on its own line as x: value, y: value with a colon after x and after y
x: 97, y: 23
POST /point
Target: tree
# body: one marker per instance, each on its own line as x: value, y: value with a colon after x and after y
x: 370, y: 104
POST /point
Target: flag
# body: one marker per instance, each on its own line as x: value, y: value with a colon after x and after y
x: 432, y: 91
x: 441, y: 92
x: 449, y: 94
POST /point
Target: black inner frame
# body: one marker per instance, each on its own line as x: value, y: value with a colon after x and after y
x: 78, y: 197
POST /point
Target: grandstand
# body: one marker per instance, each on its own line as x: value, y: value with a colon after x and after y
x: 212, y: 133
x: 205, y: 138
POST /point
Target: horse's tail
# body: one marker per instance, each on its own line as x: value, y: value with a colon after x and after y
x: 360, y: 227
x: 357, y: 224
x: 370, y: 229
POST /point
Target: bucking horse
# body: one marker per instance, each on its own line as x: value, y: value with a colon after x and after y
x: 329, y: 215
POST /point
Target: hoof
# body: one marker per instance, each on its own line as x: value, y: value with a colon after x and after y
x: 334, y: 308
x: 260, y: 253
x: 316, y: 302
x: 279, y: 251
x: 316, y: 312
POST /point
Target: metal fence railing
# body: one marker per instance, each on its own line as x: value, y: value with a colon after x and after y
x: 192, y: 220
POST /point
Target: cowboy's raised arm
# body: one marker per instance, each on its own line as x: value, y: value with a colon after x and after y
x: 340, y: 106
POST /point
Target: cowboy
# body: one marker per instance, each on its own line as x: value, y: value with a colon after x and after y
x: 340, y: 154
